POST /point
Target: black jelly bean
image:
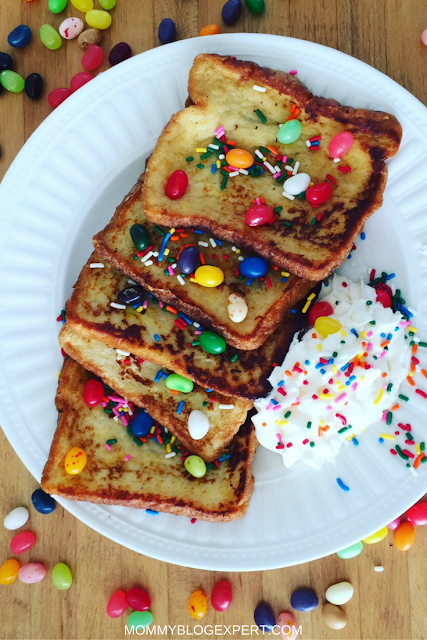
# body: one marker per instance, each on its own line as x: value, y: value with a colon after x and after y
x: 119, y: 53
x: 133, y: 295
x: 5, y: 61
x: 34, y: 86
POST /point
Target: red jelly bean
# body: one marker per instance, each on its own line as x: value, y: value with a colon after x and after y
x: 92, y: 57
x: 80, y: 79
x: 417, y: 514
x: 117, y: 604
x: 138, y: 599
x: 22, y: 542
x: 318, y: 193
x: 56, y: 97
x: 176, y: 185
x: 93, y: 392
x: 384, y: 297
x: 259, y: 214
x: 319, y: 310
x: 222, y: 595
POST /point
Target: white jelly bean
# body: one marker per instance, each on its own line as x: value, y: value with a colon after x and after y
x: 16, y: 518
x: 237, y: 307
x: 198, y: 424
x: 339, y: 593
x: 71, y: 28
x: 297, y: 184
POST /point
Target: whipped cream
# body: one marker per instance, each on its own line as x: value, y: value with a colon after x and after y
x: 330, y: 389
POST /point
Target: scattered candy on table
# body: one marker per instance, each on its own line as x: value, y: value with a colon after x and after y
x: 82, y: 5
x: 287, y: 625
x: 377, y: 536
x: 139, y: 619
x: 16, y: 518
x: 57, y: 96
x: 138, y: 599
x: 92, y: 58
x: 43, y: 502
x: 333, y: 616
x: 195, y: 466
x: 231, y: 11
x: 417, y: 514
x: 404, y: 536
x: 339, y: 593
x: 117, y: 604
x: 12, y: 81
x: 222, y: 595
x: 210, y: 30
x: 198, y: 424
x: 98, y: 19
x: 89, y: 37
x: 393, y: 525
x: 167, y: 31
x: 264, y: 617
x: 75, y: 461
x: 34, y: 86
x: 19, y: 37
x: 304, y: 600
x: 50, y: 37
x: 31, y: 573
x: 22, y: 542
x: 5, y: 61
x: 119, y: 53
x: 107, y: 4
x: 198, y: 604
x: 61, y: 576
x: 352, y: 551
x: 56, y: 6
x: 255, y: 6
x: 70, y: 28
x: 80, y: 79
x: 9, y: 571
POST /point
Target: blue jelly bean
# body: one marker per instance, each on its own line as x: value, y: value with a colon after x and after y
x: 141, y: 424
x: 231, y: 11
x: 167, y: 31
x: 304, y: 600
x: 5, y: 61
x: 43, y: 502
x: 19, y: 37
x: 264, y: 617
x: 254, y: 267
x: 189, y: 259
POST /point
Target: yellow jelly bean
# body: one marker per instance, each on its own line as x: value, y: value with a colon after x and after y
x: 198, y: 604
x: 239, y: 158
x: 75, y: 461
x: 326, y: 326
x: 9, y: 571
x: 83, y: 5
x: 208, y: 276
x: 404, y: 536
x: 376, y: 537
x: 98, y: 19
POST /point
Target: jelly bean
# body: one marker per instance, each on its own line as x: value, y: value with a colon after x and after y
x: 239, y: 158
x: 198, y: 424
x: 141, y: 424
x: 92, y: 58
x: 50, y: 37
x: 384, y: 297
x: 107, y: 4
x: 89, y: 37
x: 210, y: 30
x: 318, y: 193
x: 9, y: 571
x: 43, y: 502
x: 140, y: 237
x: 289, y: 132
x: 222, y: 595
x: 12, y: 81
x: 394, y: 524
x: 424, y: 37
x: 138, y: 599
x: 138, y: 619
x: 19, y: 37
x: 195, y: 466
x: 254, y: 267
x: 57, y: 96
x: 5, y: 61
x: 61, y: 576
x: 167, y: 31
x: 22, y: 542
x: 34, y: 86
x: 255, y: 6
x: 117, y: 604
x: 212, y: 343
x: 352, y: 551
x: 339, y: 593
x: 327, y: 326
x: 16, y: 518
x: 404, y: 536
x: 1, y: 91
x: 80, y: 79
x: 208, y: 276
x: 177, y: 185
x: 133, y: 295
x: 340, y: 144
x: 93, y: 392
x: 264, y: 617
x: 304, y: 600
x: 318, y: 310
x: 98, y: 19
x: 189, y: 259
x: 259, y: 214
x: 75, y: 461
x: 417, y: 514
x: 377, y: 536
x: 178, y: 383
x: 333, y: 616
x: 198, y: 603
x: 56, y: 6
x: 82, y: 5
x: 231, y: 11
x: 287, y: 625
x: 119, y: 53
x: 71, y: 28
x: 236, y: 307
x: 31, y: 573
x: 297, y: 184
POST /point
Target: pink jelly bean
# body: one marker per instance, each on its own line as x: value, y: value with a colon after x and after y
x: 138, y: 599
x: 31, y: 573
x: 259, y: 214
x: 57, y: 96
x: 222, y: 595
x: 117, y: 604
x: 417, y: 514
x: 177, y: 185
x: 340, y: 144
x: 287, y: 625
x: 93, y: 57
x: 394, y: 525
x: 80, y: 79
x: 22, y: 542
x: 424, y: 37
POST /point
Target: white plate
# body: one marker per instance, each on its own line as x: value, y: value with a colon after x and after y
x: 64, y: 186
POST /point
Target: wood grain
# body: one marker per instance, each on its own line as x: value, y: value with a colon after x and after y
x: 384, y: 34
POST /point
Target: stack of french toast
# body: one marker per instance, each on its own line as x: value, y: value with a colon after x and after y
x: 199, y: 283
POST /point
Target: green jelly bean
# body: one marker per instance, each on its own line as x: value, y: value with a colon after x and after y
x: 107, y: 4
x: 255, y: 6
x: 140, y: 237
x: 289, y: 132
x: 211, y: 343
x: 56, y: 6
x: 351, y: 552
x: 50, y: 37
x: 195, y: 466
x: 61, y: 576
x: 179, y: 383
x: 139, y: 619
x: 12, y: 81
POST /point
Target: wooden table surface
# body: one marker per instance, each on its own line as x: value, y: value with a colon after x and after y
x: 391, y: 604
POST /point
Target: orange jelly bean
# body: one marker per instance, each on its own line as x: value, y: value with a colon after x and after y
x: 198, y: 604
x: 404, y: 536
x: 210, y: 30
x: 75, y: 461
x: 9, y: 571
x: 239, y: 158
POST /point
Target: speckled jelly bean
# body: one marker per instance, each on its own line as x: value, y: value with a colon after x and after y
x: 93, y: 392
x: 212, y: 343
x: 178, y: 383
x: 289, y: 132
x: 22, y: 542
x: 318, y: 193
x: 98, y: 19
x: 259, y: 214
x: 327, y: 326
x: 287, y: 626
x: 140, y: 237
x: 61, y: 576
x: 12, y: 81
x: 352, y: 551
x: 138, y: 619
x: 141, y: 424
x: 340, y: 144
x: 417, y: 514
x: 404, y: 536
x: 50, y: 37
x: 16, y: 518
x: 80, y: 79
x: 255, y: 6
x: 32, y: 572
x: 138, y: 599
x: 394, y: 524
x: 56, y: 6
x: 318, y: 310
x: 222, y: 595
x: 75, y: 461
x: 107, y: 4
x: 208, y: 276
x: 304, y: 600
x: 198, y: 424
x: 195, y: 466
x: 297, y: 184
x: 82, y: 5
x: 377, y: 536
x: 119, y: 53
x: 43, y: 502
x: 133, y: 295
x: 34, y: 86
x: 117, y: 604
x: 237, y: 307
x: 253, y: 267
x: 19, y: 37
x: 70, y: 28
x: 189, y: 260
x: 339, y: 593
x: 167, y: 31
x: 9, y: 571
x: 210, y: 30
x: 264, y: 617
x: 89, y: 37
x: 176, y: 185
x: 231, y: 11
x: 5, y: 61
x: 239, y: 158
x: 424, y: 37
x: 333, y: 616
x: 57, y: 96
x: 92, y: 57
x: 198, y: 604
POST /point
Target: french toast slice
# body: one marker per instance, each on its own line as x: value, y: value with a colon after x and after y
x: 154, y: 333
x: 309, y: 241
x: 267, y: 299
x: 143, y: 383
x: 140, y: 476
